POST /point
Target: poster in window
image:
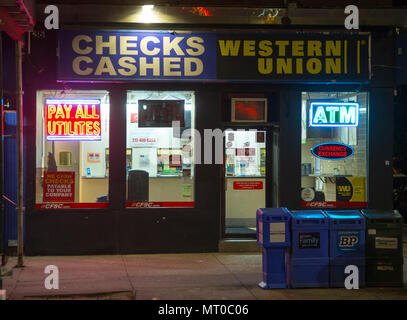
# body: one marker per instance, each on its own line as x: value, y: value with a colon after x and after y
x: 59, y: 186
x: 249, y: 110
x: 94, y: 157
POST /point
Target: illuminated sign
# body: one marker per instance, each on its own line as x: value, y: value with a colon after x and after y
x: 132, y: 55
x: 332, y: 151
x: 69, y: 119
x: 334, y: 114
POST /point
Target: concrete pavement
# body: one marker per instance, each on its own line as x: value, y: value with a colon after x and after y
x: 202, y: 276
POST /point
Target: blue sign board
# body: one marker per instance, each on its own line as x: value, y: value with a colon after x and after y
x: 128, y: 55
x: 334, y: 114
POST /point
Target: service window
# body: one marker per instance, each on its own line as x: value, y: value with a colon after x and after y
x: 72, y: 141
x: 160, y: 135
x: 334, y: 149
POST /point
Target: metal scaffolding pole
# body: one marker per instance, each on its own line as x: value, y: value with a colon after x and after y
x: 20, y: 173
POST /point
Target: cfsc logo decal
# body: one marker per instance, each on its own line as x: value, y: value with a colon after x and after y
x: 348, y: 241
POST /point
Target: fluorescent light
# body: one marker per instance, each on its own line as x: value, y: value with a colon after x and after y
x: 147, y: 14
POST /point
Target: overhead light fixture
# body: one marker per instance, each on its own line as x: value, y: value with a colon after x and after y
x: 147, y: 14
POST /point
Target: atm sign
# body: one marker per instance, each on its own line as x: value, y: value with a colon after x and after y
x: 334, y: 114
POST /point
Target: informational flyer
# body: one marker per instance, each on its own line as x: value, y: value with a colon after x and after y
x: 59, y: 186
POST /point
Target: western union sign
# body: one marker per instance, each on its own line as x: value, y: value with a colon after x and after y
x: 142, y: 55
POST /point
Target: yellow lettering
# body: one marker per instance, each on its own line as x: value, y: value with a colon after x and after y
x: 298, y: 65
x: 110, y: 44
x: 314, y: 66
x: 60, y: 112
x: 195, y: 43
x: 284, y: 66
x: 76, y: 44
x: 125, y: 45
x: 188, y: 66
x: 281, y: 47
x: 68, y: 110
x: 129, y: 69
x: 249, y: 48
x: 76, y: 65
x: 172, y: 45
x: 144, y: 46
x: 169, y: 66
x: 314, y: 48
x: 105, y: 66
x: 333, y: 65
x: 265, y: 65
x: 229, y: 47
x: 333, y: 48
x: 155, y: 66
x: 298, y: 48
x: 265, y: 48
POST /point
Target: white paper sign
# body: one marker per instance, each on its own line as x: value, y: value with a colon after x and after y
x: 386, y: 243
x: 277, y: 227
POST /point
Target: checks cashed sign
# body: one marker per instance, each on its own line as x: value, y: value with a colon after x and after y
x: 162, y: 55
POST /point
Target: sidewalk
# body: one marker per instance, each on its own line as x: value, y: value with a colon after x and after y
x: 200, y: 276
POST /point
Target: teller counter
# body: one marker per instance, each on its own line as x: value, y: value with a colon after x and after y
x: 162, y: 188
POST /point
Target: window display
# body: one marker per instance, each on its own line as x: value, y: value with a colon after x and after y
x: 161, y: 168
x: 245, y: 153
x: 72, y: 136
x: 245, y: 178
x: 334, y: 149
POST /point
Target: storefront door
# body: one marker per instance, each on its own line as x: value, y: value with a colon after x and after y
x: 247, y: 178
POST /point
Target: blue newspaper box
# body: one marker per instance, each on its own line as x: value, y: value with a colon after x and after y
x: 309, y: 265
x: 346, y: 245
x: 273, y: 234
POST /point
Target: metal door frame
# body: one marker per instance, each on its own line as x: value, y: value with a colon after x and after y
x: 269, y: 128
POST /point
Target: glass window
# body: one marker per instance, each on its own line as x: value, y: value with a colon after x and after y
x: 72, y: 139
x: 334, y: 149
x: 160, y: 168
x: 245, y: 179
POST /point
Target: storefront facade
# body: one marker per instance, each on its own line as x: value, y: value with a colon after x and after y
x: 307, y: 118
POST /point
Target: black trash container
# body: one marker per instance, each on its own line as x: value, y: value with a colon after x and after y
x: 137, y: 188
x: 384, y: 248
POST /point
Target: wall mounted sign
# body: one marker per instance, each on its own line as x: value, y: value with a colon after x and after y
x: 332, y: 151
x: 73, y: 119
x: 344, y: 189
x: 247, y: 185
x: 307, y: 194
x: 334, y: 114
x: 125, y: 55
x: 94, y: 157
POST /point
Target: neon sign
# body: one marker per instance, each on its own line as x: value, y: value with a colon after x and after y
x: 70, y: 119
x: 334, y: 114
x: 332, y: 151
